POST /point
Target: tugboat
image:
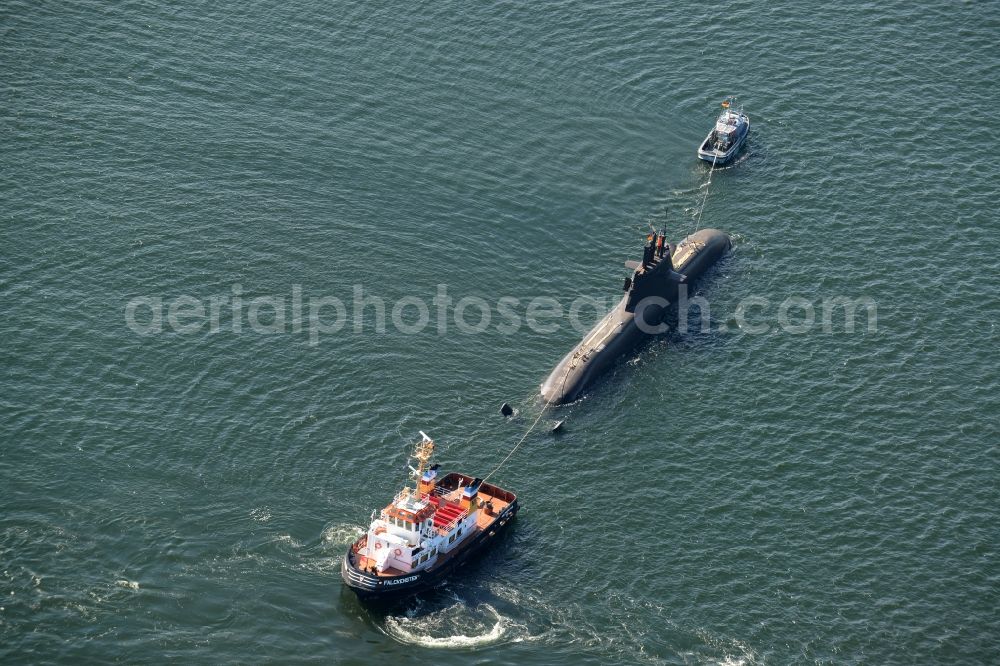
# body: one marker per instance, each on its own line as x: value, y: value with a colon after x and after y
x: 429, y: 529
x: 728, y: 136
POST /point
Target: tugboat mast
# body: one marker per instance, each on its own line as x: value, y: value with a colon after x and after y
x: 420, y: 457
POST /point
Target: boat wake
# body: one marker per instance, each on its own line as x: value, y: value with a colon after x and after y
x: 333, y: 539
x: 739, y: 160
x: 342, y: 534
x: 457, y: 626
x: 734, y: 652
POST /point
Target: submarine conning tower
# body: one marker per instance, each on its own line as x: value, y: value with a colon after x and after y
x: 655, y: 283
x: 653, y: 275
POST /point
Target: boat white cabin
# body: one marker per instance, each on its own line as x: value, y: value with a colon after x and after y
x: 727, y: 137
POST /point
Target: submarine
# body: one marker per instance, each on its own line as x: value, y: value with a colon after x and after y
x: 654, y: 285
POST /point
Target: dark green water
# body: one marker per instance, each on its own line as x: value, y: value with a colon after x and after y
x: 723, y: 497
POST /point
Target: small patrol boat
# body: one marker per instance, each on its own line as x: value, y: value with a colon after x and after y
x: 727, y: 137
x: 430, y: 528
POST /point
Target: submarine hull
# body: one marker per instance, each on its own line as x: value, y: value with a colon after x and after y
x: 629, y: 323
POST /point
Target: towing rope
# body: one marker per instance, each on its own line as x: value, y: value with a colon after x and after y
x: 516, y: 446
x: 708, y: 185
x: 532, y: 427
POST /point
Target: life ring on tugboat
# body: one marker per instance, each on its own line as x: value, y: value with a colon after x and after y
x: 399, y: 552
x: 378, y: 544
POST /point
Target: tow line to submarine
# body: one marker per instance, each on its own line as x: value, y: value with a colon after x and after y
x: 518, y: 445
x: 708, y: 186
x: 531, y: 428
x: 528, y: 431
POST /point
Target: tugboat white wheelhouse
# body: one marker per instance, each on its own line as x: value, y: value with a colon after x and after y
x: 431, y: 527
